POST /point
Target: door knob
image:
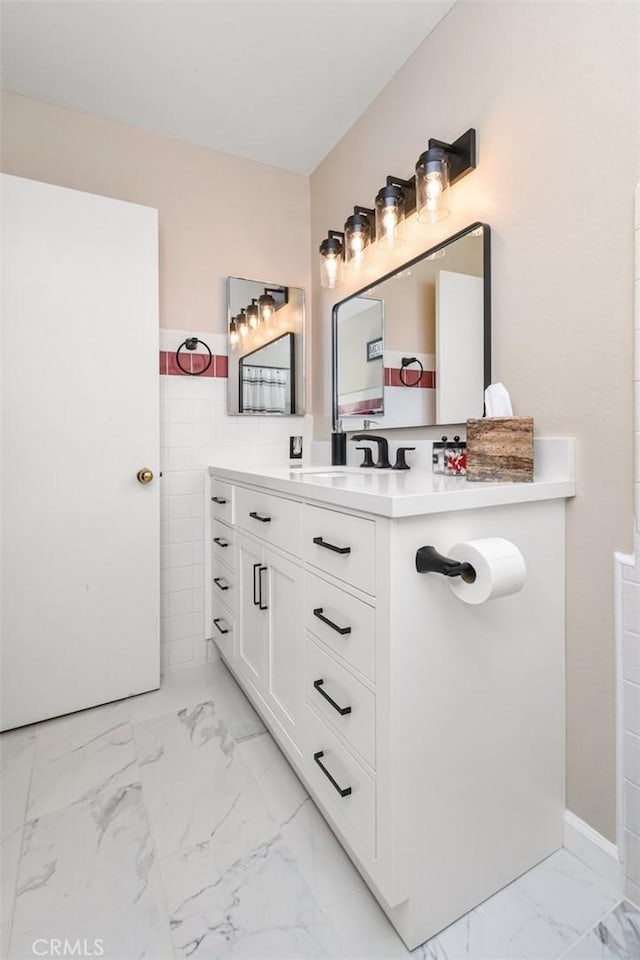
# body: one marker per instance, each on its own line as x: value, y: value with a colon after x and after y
x: 145, y: 475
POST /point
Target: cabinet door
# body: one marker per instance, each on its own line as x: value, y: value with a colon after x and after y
x: 253, y: 615
x: 285, y: 675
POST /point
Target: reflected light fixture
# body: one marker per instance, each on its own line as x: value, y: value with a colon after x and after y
x: 331, y: 250
x: 358, y: 234
x: 253, y: 315
x: 234, y: 337
x: 267, y: 307
x: 243, y: 326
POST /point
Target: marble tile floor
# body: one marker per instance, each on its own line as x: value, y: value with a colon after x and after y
x: 171, y: 826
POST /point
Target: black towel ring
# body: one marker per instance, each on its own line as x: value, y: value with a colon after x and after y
x: 191, y: 343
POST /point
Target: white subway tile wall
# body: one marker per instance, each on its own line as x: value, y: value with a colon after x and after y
x: 195, y: 431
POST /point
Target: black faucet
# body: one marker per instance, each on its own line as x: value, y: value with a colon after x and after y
x: 382, y: 462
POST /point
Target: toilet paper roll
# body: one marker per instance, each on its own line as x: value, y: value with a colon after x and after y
x: 499, y: 566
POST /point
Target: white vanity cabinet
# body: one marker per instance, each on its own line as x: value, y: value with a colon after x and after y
x: 429, y: 732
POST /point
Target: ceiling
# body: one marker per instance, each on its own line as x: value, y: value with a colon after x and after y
x: 277, y: 81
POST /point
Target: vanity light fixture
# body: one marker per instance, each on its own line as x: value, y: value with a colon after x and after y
x: 267, y: 306
x: 440, y: 166
x: 332, y: 251
x: 253, y: 315
x: 243, y: 326
x: 358, y: 234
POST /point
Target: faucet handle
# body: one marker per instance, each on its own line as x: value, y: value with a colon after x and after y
x: 368, y: 458
x: 401, y: 463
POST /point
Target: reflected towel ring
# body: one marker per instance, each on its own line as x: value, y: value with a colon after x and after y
x: 406, y: 362
x: 191, y: 343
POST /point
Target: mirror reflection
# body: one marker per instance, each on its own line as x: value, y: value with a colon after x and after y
x: 429, y: 322
x: 266, y: 348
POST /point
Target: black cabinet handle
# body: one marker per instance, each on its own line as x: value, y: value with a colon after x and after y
x: 256, y: 516
x: 343, y: 711
x: 216, y: 621
x: 330, y: 546
x: 221, y: 542
x: 220, y: 583
x: 260, y: 572
x: 218, y: 499
x: 343, y: 791
x: 343, y: 631
x: 256, y: 601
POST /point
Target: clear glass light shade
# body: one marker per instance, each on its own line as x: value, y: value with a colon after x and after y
x: 243, y: 326
x: 357, y: 237
x: 390, y: 212
x: 234, y: 336
x: 330, y: 262
x: 267, y: 307
x: 253, y: 315
x: 432, y: 186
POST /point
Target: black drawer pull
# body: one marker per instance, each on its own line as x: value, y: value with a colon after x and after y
x: 343, y: 631
x: 343, y: 711
x: 256, y: 516
x: 330, y: 546
x: 218, y: 499
x: 216, y: 621
x: 343, y: 791
x: 220, y: 583
x: 221, y: 542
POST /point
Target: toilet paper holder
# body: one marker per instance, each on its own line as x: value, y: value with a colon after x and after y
x: 428, y: 560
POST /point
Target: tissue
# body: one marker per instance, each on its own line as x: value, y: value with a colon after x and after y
x: 499, y: 567
x: 497, y: 401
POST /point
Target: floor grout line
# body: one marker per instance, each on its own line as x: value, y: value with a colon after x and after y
x: 584, y: 935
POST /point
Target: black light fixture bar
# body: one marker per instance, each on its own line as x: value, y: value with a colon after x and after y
x: 462, y: 159
x: 462, y: 154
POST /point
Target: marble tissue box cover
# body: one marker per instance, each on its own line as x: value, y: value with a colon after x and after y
x: 500, y: 448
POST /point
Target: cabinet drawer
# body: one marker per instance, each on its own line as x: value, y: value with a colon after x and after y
x: 333, y: 691
x: 357, y: 810
x: 223, y: 630
x: 274, y: 519
x: 224, y: 587
x: 223, y: 543
x: 222, y: 497
x: 342, y: 545
x: 324, y: 602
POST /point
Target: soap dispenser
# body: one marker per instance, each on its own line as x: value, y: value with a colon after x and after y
x: 338, y: 446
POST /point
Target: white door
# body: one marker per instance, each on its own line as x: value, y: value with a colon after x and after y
x: 253, y: 608
x: 80, y: 534
x: 459, y: 347
x: 285, y: 676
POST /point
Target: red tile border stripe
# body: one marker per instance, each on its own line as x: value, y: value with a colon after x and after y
x: 193, y: 362
x: 392, y: 378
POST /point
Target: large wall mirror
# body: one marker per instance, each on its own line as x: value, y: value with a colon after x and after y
x: 414, y: 348
x: 266, y: 348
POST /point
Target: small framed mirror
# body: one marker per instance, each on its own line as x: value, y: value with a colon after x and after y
x: 413, y: 349
x: 265, y: 323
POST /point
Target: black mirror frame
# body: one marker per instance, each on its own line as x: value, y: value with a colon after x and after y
x: 486, y: 264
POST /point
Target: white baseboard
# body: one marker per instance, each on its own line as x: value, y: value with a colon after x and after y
x: 593, y: 849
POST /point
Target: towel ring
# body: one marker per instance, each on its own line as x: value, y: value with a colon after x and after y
x: 191, y: 343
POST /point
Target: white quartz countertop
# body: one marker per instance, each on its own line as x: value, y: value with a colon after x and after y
x: 391, y: 493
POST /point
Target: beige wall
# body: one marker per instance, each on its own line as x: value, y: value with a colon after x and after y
x: 551, y: 89
x: 219, y: 215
